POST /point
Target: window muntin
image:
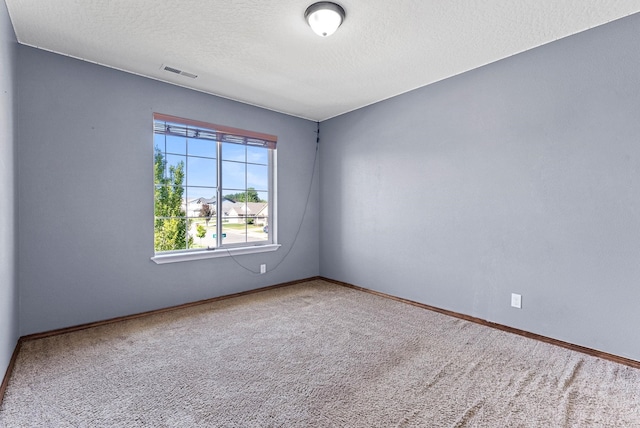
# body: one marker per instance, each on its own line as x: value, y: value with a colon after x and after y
x: 213, y: 186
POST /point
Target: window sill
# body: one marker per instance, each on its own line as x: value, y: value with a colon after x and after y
x: 210, y: 254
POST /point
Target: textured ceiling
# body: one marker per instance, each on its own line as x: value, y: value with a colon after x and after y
x: 263, y: 52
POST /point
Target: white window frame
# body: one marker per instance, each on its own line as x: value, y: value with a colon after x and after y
x: 227, y: 250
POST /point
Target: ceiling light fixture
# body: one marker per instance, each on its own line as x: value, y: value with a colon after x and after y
x: 324, y: 17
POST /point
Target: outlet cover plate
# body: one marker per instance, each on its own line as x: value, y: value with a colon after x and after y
x: 516, y: 300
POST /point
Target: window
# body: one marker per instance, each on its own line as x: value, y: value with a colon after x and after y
x: 213, y: 187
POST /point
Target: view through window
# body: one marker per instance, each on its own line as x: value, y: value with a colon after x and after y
x: 212, y: 185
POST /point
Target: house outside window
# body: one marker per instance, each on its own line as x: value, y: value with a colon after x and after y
x: 213, y: 186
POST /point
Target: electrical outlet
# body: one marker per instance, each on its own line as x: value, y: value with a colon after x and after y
x: 516, y: 300
x: 263, y: 268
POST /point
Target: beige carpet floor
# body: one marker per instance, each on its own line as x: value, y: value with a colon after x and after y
x: 312, y: 355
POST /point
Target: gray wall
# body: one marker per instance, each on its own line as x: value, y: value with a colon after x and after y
x: 521, y: 176
x: 85, y: 178
x: 8, y: 282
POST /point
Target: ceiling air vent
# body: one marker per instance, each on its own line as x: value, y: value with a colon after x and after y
x: 180, y: 72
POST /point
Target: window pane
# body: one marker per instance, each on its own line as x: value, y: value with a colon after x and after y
x: 201, y: 172
x: 234, y: 231
x: 168, y: 201
x: 258, y: 229
x: 170, y: 234
x: 205, y: 148
x: 158, y: 142
x: 257, y: 177
x: 233, y: 176
x: 257, y: 233
x: 199, y: 206
x: 245, y: 222
x: 175, y: 168
x: 258, y: 155
x: 261, y: 211
x: 203, y: 232
x: 230, y: 209
x: 234, y: 152
x: 177, y: 145
x: 207, y: 210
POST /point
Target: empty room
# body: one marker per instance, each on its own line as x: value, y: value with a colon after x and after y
x: 320, y: 214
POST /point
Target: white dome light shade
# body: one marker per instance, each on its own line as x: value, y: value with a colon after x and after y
x: 324, y: 17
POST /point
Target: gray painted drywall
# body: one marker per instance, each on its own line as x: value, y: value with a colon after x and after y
x: 85, y: 181
x: 522, y: 176
x: 8, y: 282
